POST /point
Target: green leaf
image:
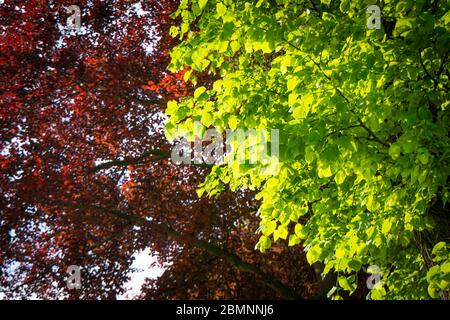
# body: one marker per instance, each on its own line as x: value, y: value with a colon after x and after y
x: 300, y: 112
x: 354, y: 265
x: 378, y: 293
x: 439, y: 247
x: 227, y: 30
x: 264, y: 243
x: 440, y: 252
x: 445, y: 268
x: 403, y: 26
x: 202, y: 3
x: 199, y: 91
x: 432, y: 291
x: 339, y: 177
x: 172, y: 107
x: 282, y: 232
x: 292, y: 99
x: 206, y: 118
x: 394, y: 151
x: 221, y: 9
x: 292, y: 83
x: 232, y: 122
x: 310, y: 155
x: 340, y: 252
x: 293, y: 240
x: 423, y: 156
x: 386, y: 227
x: 299, y: 230
x: 432, y: 272
x: 269, y: 228
x: 372, y: 204
x: 345, y: 5
x: 313, y: 254
x: 325, y: 172
x: 347, y: 283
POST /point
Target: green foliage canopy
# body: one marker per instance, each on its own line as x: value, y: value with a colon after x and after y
x: 363, y: 120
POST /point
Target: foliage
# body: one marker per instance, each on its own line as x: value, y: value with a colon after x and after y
x: 85, y: 171
x: 363, y: 120
x: 69, y: 101
x: 438, y: 276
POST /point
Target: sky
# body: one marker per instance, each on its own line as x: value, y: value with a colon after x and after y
x: 143, y: 262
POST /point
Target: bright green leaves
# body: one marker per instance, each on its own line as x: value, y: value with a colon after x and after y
x: 324, y: 171
x: 221, y: 9
x: 372, y: 203
x: 300, y: 112
x: 232, y: 122
x: 348, y: 283
x: 302, y: 105
x: 299, y: 230
x: 364, y: 120
x: 404, y: 26
x: 423, y: 156
x: 403, y: 6
x: 206, y: 118
x: 264, y: 243
x: 438, y: 276
x: 292, y: 99
x: 202, y: 3
x: 269, y: 228
x: 172, y: 108
x: 340, y: 252
x: 280, y: 233
x: 294, y: 240
x: 277, y: 231
x: 310, y: 154
x: 440, y: 251
x: 198, y: 92
x: 378, y: 293
x: 354, y: 265
x: 298, y: 236
x: 386, y: 226
x: 292, y: 83
x: 314, y: 254
x: 394, y: 151
x: 340, y: 177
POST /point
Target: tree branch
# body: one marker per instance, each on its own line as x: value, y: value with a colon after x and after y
x: 441, y: 69
x: 157, y: 155
x: 375, y: 138
x: 212, y: 249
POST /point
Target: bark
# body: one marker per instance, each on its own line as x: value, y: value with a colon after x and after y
x: 214, y: 250
x: 151, y: 155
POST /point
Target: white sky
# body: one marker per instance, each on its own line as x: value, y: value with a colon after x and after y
x: 143, y: 262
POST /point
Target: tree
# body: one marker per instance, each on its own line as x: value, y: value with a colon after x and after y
x: 363, y: 120
x: 85, y: 173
